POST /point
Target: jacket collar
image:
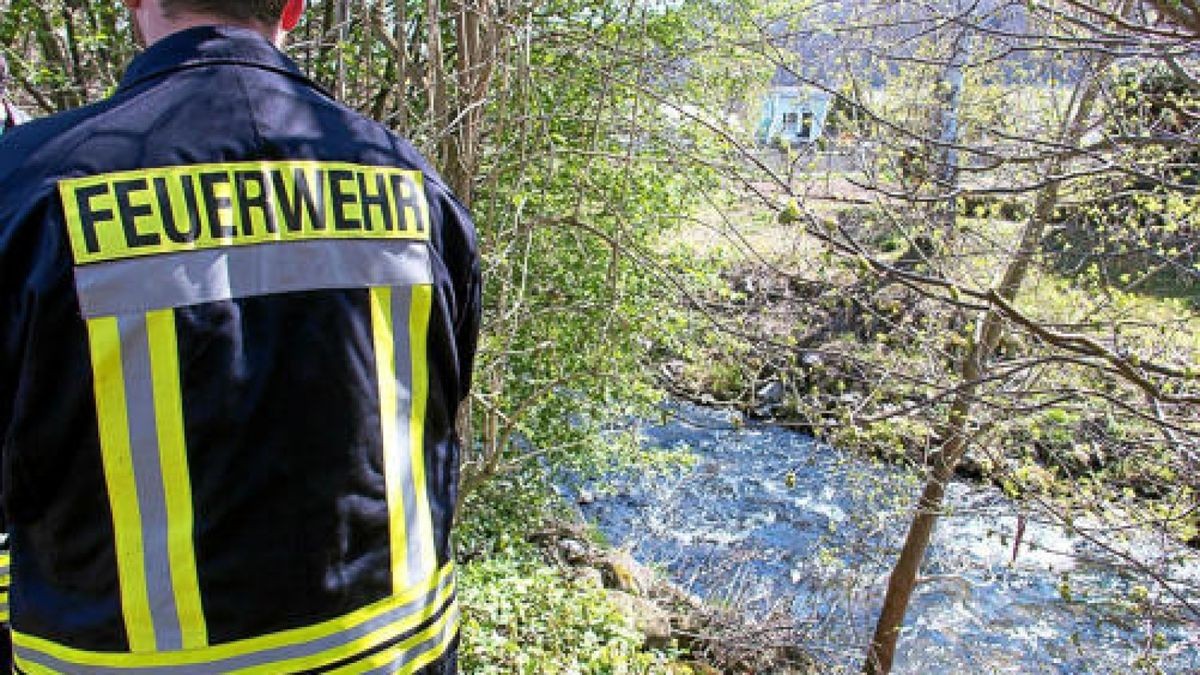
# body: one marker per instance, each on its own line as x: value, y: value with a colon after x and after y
x: 207, y: 45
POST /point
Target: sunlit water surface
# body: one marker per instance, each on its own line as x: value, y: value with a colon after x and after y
x: 731, y: 529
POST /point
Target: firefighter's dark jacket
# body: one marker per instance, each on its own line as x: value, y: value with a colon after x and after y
x: 236, y: 321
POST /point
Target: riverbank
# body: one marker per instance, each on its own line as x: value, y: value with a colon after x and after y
x: 794, y: 335
x: 543, y: 593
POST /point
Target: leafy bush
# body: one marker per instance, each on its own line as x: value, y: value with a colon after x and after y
x: 521, y: 615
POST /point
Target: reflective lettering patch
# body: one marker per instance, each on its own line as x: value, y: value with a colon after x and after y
x: 205, y: 206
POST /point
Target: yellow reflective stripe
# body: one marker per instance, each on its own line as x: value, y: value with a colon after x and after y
x: 357, y: 646
x: 168, y: 412
x: 105, y: 342
x: 436, y: 653
x: 389, y: 404
x: 418, y: 330
x: 5, y: 582
x: 390, y: 655
x: 289, y: 638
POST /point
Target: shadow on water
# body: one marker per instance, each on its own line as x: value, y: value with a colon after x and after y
x: 773, y: 521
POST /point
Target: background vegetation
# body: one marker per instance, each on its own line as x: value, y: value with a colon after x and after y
x: 988, y: 268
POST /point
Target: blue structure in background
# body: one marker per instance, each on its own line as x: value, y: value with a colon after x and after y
x: 794, y: 112
x: 793, y: 115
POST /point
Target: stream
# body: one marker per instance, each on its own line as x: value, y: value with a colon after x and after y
x: 772, y: 521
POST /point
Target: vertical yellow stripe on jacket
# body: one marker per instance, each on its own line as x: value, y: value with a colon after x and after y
x: 177, y: 488
x: 5, y: 582
x: 385, y: 366
x: 422, y: 304
x: 105, y: 342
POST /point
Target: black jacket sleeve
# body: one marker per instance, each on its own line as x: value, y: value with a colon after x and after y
x: 459, y: 249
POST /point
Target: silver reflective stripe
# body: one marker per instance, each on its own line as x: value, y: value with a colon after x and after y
x: 140, y: 285
x: 420, y: 557
x: 356, y: 639
x: 148, y: 478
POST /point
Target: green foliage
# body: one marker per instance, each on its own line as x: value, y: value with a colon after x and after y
x: 63, y: 54
x: 901, y: 440
x: 522, y: 615
x: 570, y: 223
x: 1138, y: 231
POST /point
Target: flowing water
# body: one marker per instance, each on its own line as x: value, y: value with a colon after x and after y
x: 773, y: 521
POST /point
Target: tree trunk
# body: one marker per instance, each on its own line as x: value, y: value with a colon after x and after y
x: 477, y: 27
x: 343, y: 35
x: 882, y: 650
x: 947, y: 170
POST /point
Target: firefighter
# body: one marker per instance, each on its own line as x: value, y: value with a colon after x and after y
x: 236, y: 322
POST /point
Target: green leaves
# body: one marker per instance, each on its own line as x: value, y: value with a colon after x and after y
x: 790, y: 213
x: 524, y: 616
x: 521, y: 616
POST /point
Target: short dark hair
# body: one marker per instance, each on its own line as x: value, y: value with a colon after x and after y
x: 267, y: 11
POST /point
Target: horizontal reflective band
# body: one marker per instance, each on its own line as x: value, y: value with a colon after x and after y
x: 412, y: 654
x: 182, y: 279
x: 338, y: 640
x: 204, y: 206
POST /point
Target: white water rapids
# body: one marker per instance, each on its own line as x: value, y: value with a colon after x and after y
x: 732, y: 529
